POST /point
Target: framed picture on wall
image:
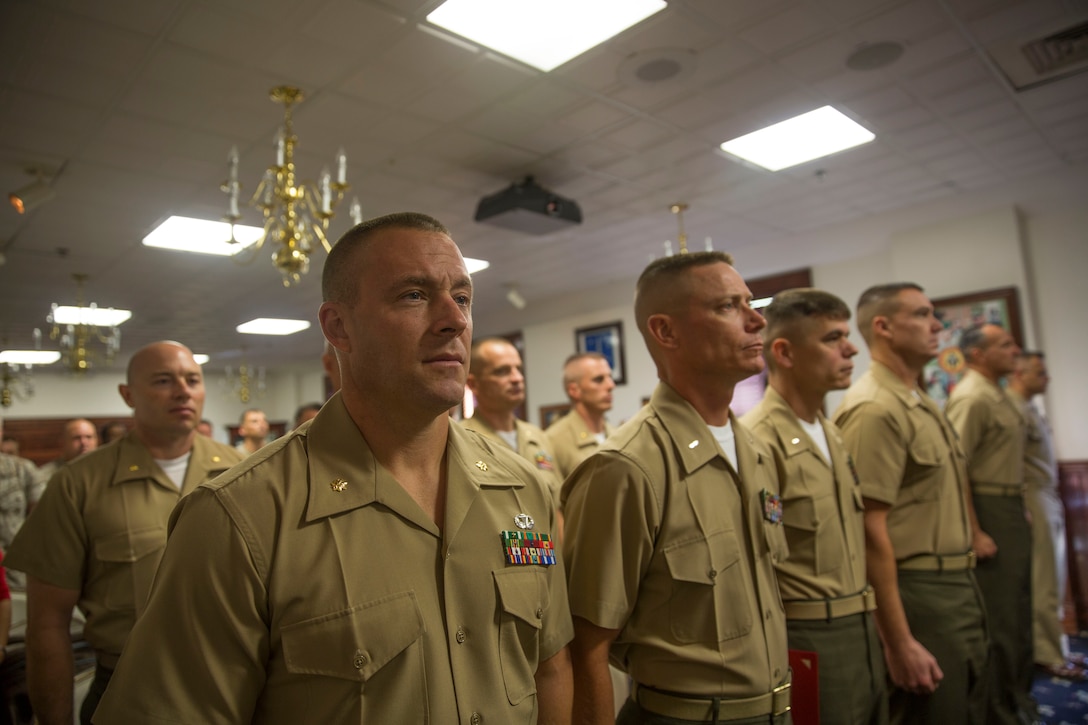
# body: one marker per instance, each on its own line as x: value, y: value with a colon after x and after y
x: 997, y: 306
x: 608, y: 341
x: 551, y: 413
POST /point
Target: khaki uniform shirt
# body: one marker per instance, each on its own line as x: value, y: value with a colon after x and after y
x: 100, y: 528
x: 821, y: 505
x: 991, y: 428
x: 307, y: 586
x: 1040, y: 464
x: 20, y: 487
x: 666, y: 543
x: 533, y: 446
x: 572, y: 441
x: 906, y: 455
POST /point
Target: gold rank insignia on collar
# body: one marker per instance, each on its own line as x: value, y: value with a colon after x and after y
x: 338, y: 485
x: 481, y: 465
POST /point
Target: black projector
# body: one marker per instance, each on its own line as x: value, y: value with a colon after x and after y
x: 528, y: 207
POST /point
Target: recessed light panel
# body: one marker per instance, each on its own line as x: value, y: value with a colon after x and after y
x: 272, y: 326
x: 476, y: 265
x: 200, y: 236
x: 29, y: 357
x: 102, y: 317
x: 200, y: 358
x: 543, y: 35
x: 799, y: 139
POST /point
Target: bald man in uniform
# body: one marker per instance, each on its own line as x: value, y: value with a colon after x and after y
x: 824, y: 588
x: 919, y: 529
x: 587, y: 379
x: 96, y: 537
x: 674, y: 526
x: 496, y: 379
x: 992, y: 431
x: 377, y: 565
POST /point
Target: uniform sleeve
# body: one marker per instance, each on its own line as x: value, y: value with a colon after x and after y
x: 557, y: 630
x: 198, y: 653
x: 878, y: 446
x: 52, y: 545
x: 33, y: 484
x: 611, y: 520
x: 968, y: 417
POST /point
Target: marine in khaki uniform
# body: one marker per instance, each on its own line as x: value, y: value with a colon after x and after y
x: 1049, y: 566
x: 97, y: 535
x: 824, y: 588
x: 674, y: 526
x: 992, y: 429
x: 918, y: 527
x: 587, y: 379
x: 78, y: 436
x: 377, y: 564
x: 495, y: 378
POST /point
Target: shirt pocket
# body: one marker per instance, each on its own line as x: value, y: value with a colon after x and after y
x: 373, y: 647
x: 812, y: 534
x: 129, y: 560
x: 926, y: 457
x: 709, y: 601
x: 523, y: 598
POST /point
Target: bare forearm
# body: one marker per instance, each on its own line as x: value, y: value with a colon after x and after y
x: 49, y: 674
x: 593, y: 703
x: 554, y: 689
x: 891, y: 620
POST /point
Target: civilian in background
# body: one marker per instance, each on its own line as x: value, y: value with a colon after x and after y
x: 10, y: 446
x: 205, y: 428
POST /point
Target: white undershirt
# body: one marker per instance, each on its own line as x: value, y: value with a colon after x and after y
x: 728, y: 442
x: 510, y: 436
x: 816, y: 433
x: 174, y: 468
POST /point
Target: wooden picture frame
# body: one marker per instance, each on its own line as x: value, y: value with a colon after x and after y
x: 606, y: 339
x: 999, y: 306
x: 551, y: 413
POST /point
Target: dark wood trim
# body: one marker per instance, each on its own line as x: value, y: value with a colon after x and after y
x: 772, y: 284
x: 1073, y: 483
x: 39, y: 438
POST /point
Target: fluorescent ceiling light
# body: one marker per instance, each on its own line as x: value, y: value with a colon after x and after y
x: 272, y: 326
x: 799, y: 139
x: 476, y: 265
x: 760, y: 302
x: 200, y: 358
x: 100, y: 316
x: 185, y: 234
x: 29, y: 357
x: 544, y: 35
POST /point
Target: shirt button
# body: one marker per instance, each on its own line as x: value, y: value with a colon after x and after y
x: 712, y: 573
x: 476, y: 718
x: 539, y: 613
x: 359, y: 661
x: 767, y: 614
x: 460, y: 636
x: 777, y: 674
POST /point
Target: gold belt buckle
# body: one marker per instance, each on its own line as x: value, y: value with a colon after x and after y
x: 783, y: 689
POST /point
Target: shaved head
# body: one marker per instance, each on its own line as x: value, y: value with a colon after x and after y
x: 664, y: 284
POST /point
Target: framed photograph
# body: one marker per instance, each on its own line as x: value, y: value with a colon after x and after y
x: 608, y: 341
x: 551, y: 413
x: 997, y: 306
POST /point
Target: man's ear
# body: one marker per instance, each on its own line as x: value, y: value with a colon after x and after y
x: 126, y: 394
x: 331, y: 318
x: 782, y: 351
x: 662, y: 330
x: 881, y: 327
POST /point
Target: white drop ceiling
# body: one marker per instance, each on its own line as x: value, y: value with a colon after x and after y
x: 137, y: 103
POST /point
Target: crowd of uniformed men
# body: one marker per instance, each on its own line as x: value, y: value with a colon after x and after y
x: 384, y: 564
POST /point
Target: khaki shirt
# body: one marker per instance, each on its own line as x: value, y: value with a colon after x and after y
x: 307, y: 586
x: 821, y: 504
x: 533, y: 446
x: 666, y: 543
x: 1040, y: 464
x: 906, y: 455
x: 991, y: 428
x: 100, y: 528
x: 572, y: 441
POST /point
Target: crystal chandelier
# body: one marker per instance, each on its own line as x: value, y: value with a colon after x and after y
x: 78, y: 329
x: 296, y: 213
x: 15, y: 383
x: 678, y: 209
x: 247, y: 383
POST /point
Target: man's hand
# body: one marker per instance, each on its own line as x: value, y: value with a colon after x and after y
x: 913, y: 668
x: 983, y: 546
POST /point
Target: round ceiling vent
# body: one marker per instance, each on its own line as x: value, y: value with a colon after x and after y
x: 873, y: 56
x: 658, y: 66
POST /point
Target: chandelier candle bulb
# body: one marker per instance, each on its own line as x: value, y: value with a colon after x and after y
x: 356, y: 211
x: 232, y: 166
x: 326, y: 192
x: 281, y: 143
x: 341, y: 167
x: 668, y: 247
x: 709, y: 245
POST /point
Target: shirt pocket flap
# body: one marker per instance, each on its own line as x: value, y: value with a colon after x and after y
x: 353, y: 644
x: 130, y: 546
x: 925, y: 453
x: 700, y: 560
x: 800, y: 513
x: 522, y: 594
x: 859, y: 500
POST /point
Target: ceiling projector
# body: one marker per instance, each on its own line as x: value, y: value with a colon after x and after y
x: 528, y: 207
